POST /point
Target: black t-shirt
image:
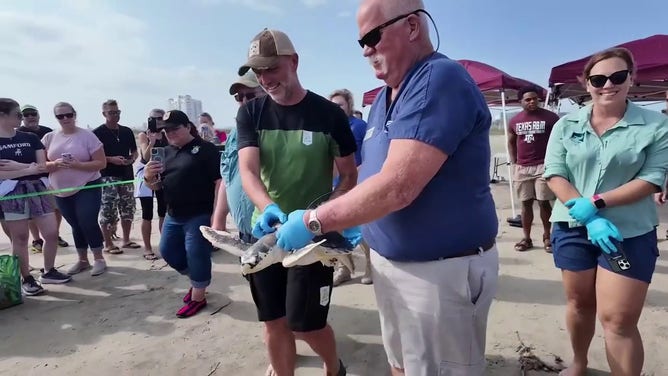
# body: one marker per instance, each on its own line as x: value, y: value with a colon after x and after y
x: 117, y: 142
x: 188, y: 180
x: 21, y: 148
x: 40, y: 131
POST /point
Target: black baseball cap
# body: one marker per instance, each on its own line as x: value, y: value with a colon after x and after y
x: 174, y: 118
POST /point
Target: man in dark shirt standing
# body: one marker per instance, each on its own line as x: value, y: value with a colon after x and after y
x: 120, y: 148
x: 31, y: 125
x: 528, y: 133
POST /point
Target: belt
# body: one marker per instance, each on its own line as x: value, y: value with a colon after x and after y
x: 471, y: 252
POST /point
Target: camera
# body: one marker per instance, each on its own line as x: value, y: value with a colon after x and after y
x: 158, y: 154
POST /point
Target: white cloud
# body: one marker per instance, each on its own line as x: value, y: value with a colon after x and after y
x: 90, y: 54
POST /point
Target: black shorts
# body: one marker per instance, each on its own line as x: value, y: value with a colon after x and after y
x: 301, y: 293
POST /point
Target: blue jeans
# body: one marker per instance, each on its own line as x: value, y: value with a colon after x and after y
x: 184, y: 248
x: 80, y: 210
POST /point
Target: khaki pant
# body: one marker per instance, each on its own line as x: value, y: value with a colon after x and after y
x: 530, y: 184
x: 433, y: 315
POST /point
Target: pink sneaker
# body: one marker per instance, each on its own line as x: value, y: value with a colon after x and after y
x: 189, y: 296
x: 190, y: 309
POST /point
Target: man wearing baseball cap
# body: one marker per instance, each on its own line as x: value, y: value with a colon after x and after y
x: 231, y: 196
x: 295, y: 137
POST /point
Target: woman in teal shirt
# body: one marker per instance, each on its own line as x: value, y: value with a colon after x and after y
x: 604, y: 162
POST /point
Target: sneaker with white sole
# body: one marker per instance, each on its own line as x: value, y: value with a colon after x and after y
x: 53, y: 276
x: 78, y: 267
x: 99, y: 267
x: 31, y: 287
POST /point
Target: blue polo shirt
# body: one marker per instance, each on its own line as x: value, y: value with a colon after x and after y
x: 438, y: 104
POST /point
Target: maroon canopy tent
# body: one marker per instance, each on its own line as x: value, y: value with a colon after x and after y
x: 491, y: 81
x: 651, y: 83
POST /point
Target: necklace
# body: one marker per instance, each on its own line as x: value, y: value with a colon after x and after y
x: 116, y: 134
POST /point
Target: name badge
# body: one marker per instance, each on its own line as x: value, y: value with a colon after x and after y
x: 369, y: 133
x: 307, y: 138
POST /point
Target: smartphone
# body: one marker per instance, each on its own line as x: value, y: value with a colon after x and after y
x: 617, y: 260
x: 152, y: 125
x: 158, y: 154
x: 67, y: 157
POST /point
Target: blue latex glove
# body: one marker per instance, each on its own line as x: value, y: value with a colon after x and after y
x: 353, y: 235
x: 581, y: 209
x: 294, y: 234
x: 600, y: 231
x: 271, y: 215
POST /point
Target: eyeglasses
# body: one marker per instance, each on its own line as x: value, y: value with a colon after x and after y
x: 114, y: 112
x: 240, y: 97
x: 68, y: 115
x: 372, y: 38
x: 617, y: 78
x: 30, y: 114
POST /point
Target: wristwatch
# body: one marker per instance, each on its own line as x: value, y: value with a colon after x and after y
x: 599, y: 202
x: 314, y: 224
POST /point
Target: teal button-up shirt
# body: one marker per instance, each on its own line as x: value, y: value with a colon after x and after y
x: 241, y: 207
x: 634, y: 148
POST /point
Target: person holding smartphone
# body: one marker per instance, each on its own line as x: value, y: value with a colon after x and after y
x: 75, y: 159
x: 604, y: 162
x: 149, y: 140
x: 189, y: 177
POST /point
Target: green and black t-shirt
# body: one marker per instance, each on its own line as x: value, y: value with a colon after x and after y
x: 297, y: 144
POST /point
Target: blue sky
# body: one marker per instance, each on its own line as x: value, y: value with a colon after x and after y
x: 142, y: 52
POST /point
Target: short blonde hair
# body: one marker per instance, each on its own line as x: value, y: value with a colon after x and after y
x: 346, y: 95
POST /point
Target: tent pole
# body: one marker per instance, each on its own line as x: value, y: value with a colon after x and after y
x: 505, y: 132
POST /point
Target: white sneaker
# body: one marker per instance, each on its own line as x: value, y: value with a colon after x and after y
x: 78, y: 267
x: 341, y: 274
x: 99, y: 267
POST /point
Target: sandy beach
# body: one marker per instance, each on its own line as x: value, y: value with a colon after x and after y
x: 124, y: 323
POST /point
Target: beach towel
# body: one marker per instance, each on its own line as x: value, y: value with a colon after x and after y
x: 10, y: 281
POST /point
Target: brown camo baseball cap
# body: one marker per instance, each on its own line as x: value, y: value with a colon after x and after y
x: 265, y: 49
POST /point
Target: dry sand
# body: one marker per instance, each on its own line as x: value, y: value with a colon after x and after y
x: 123, y: 322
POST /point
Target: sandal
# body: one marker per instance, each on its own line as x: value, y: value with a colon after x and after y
x: 113, y: 250
x: 523, y: 245
x: 150, y: 256
x: 131, y: 245
x: 547, y: 244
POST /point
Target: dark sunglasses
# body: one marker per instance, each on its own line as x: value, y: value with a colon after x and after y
x: 240, y: 98
x: 372, y: 38
x: 68, y: 115
x: 114, y: 112
x: 30, y: 114
x: 617, y: 78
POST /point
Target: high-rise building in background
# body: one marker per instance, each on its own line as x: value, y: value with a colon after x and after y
x: 192, y: 107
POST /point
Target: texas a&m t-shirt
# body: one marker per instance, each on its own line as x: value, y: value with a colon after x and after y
x: 533, y: 130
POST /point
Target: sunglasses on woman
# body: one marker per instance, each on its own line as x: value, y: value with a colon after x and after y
x: 68, y: 115
x: 617, y: 78
x: 372, y: 38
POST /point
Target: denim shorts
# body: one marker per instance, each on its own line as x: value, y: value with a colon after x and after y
x: 572, y: 251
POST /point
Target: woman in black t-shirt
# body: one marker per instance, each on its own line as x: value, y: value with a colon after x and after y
x: 189, y: 177
x: 22, y: 160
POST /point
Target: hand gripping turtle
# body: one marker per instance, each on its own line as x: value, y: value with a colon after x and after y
x: 326, y: 249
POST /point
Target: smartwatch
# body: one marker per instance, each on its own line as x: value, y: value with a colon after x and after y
x: 314, y: 224
x: 599, y: 202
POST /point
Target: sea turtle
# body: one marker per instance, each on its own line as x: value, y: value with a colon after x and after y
x: 327, y: 249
